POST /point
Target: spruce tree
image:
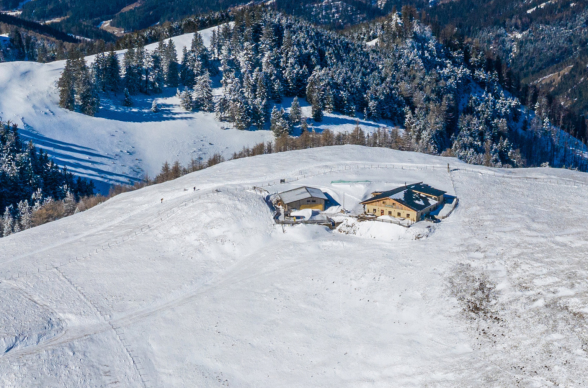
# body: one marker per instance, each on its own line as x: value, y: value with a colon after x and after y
x: 186, y: 100
x: 317, y: 112
x: 66, y: 86
x: 203, y: 99
x: 172, y: 76
x: 131, y: 80
x: 7, y: 222
x: 295, y: 112
x: 99, y: 67
x: 127, y: 100
x: 157, y: 73
x: 155, y: 107
x: 88, y: 100
x: 113, y: 79
x: 279, y: 124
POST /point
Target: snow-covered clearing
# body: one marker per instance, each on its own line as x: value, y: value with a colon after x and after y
x: 123, y: 144
x: 204, y: 290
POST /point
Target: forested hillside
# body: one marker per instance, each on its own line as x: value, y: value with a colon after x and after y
x: 446, y: 104
x: 29, y: 180
x: 538, y: 47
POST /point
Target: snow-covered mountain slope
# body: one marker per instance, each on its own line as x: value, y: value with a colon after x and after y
x: 203, y: 290
x: 122, y: 144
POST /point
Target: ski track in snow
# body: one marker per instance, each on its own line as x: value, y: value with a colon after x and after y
x: 204, y: 290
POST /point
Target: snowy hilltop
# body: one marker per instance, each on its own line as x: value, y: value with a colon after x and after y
x: 191, y: 282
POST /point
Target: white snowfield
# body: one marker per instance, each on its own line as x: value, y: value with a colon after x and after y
x: 123, y: 144
x: 204, y: 290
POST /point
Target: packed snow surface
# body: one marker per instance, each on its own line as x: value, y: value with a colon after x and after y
x: 204, y: 290
x: 124, y: 144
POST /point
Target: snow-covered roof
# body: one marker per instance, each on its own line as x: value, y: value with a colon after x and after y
x: 416, y: 196
x: 301, y: 193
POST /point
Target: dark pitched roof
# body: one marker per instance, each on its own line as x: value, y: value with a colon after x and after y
x: 387, y: 194
x: 426, y: 189
x: 410, y: 196
x: 415, y: 200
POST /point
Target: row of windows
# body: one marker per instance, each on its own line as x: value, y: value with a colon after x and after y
x: 398, y: 214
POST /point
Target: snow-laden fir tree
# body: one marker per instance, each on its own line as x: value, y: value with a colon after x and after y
x: 295, y: 112
x: 186, y: 101
x: 157, y: 73
x: 127, y: 101
x: 155, y: 108
x: 7, y: 222
x: 66, y: 86
x: 112, y: 74
x: 87, y: 98
x: 279, y: 123
x: 172, y: 76
x: 317, y: 112
x: 25, y: 215
x: 203, y: 99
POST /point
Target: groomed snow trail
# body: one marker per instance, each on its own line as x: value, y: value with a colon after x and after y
x: 204, y: 290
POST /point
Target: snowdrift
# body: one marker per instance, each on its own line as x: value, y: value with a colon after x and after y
x: 203, y: 289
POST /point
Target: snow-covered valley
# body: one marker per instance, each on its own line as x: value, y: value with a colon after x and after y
x: 203, y: 289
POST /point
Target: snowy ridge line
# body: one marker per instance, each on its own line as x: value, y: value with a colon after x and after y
x: 302, y: 174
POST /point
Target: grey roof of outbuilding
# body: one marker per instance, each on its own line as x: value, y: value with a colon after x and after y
x: 301, y: 193
x: 410, y: 195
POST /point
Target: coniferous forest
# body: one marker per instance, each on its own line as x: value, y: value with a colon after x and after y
x: 447, y: 104
x: 30, y: 180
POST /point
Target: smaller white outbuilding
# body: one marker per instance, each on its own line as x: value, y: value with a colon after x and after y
x: 303, y: 198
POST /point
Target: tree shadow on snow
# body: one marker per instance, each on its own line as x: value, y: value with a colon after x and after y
x: 45, y: 142
x: 113, y: 109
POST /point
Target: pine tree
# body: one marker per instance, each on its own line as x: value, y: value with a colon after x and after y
x: 203, y: 99
x: 157, y: 74
x: 186, y: 100
x: 66, y: 86
x: 88, y: 100
x: 275, y: 119
x: 304, y: 125
x: 241, y: 113
x: 132, y: 77
x: 113, y: 79
x: 127, y: 101
x: 317, y: 112
x: 329, y: 101
x: 155, y: 107
x: 279, y: 124
x: 99, y: 67
x: 7, y: 222
x: 295, y: 112
x: 172, y: 75
x: 69, y: 203
x: 186, y: 73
